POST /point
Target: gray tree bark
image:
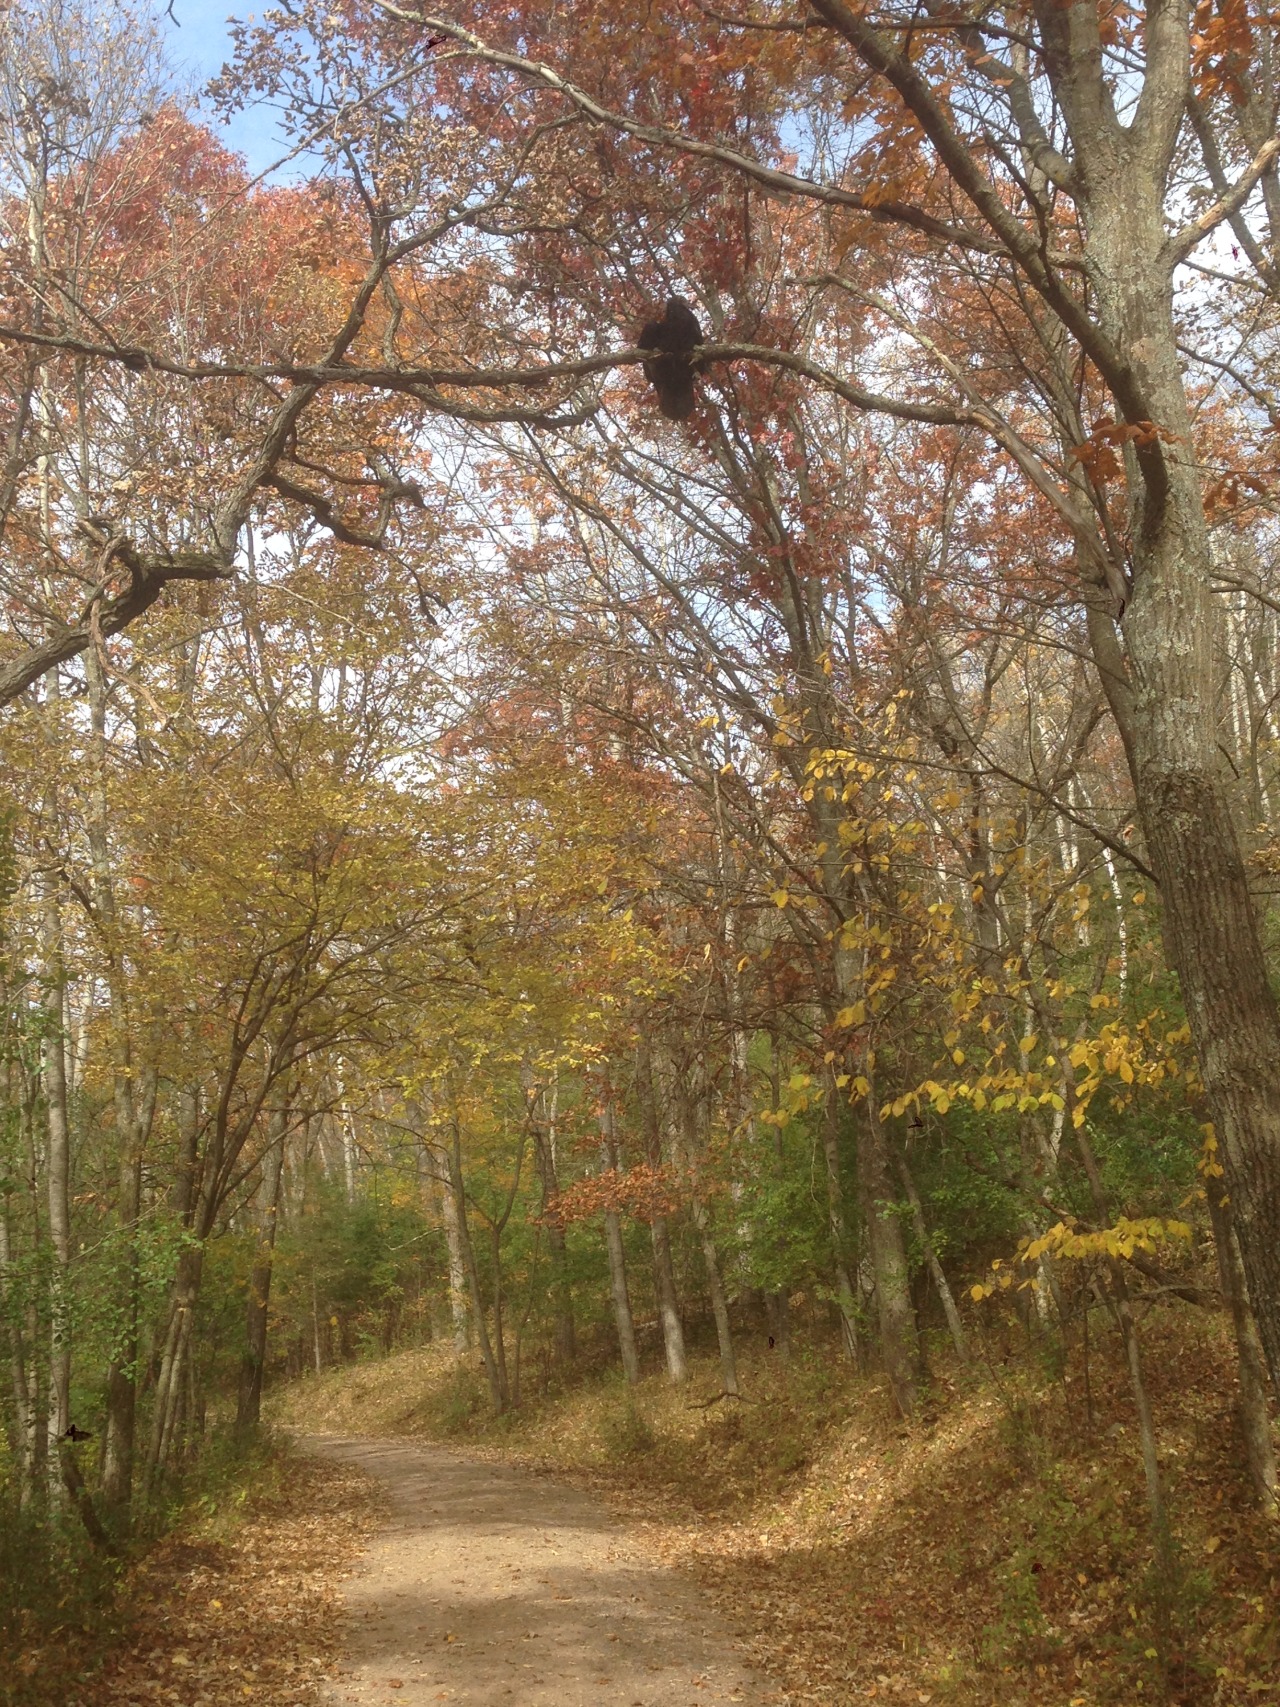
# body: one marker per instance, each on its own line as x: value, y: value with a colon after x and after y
x: 133, y: 1098
x: 936, y: 1272
x: 668, y: 1302
x: 561, y: 1288
x: 58, y: 1179
x: 254, y: 1361
x: 664, y: 1279
x: 899, y: 1339
x: 1156, y: 625
x: 690, y: 1143
x: 1255, y: 1420
x: 495, y: 1370
x: 846, y: 1298
x: 458, y: 1295
x: 623, y: 1319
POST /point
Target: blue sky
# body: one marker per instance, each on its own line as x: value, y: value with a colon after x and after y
x: 199, y: 45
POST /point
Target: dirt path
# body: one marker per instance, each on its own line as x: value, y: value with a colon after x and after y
x: 493, y: 1587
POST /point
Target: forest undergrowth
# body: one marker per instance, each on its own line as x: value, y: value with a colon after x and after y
x: 236, y: 1603
x: 996, y: 1551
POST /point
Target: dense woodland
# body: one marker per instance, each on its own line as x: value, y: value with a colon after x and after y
x: 485, y: 862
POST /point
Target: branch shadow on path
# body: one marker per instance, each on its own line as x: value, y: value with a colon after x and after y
x: 490, y: 1586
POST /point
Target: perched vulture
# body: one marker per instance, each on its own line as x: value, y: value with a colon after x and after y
x: 677, y: 334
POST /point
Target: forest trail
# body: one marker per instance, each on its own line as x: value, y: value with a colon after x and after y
x: 490, y: 1586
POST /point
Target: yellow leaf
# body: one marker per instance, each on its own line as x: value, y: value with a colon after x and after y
x: 780, y: 897
x: 1213, y: 1543
x: 852, y: 1016
x: 1139, y: 897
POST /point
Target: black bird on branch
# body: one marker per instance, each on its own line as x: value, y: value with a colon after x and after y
x: 76, y: 1434
x: 676, y: 335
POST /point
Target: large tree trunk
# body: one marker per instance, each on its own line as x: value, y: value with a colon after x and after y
x: 254, y: 1361
x: 846, y: 1299
x: 494, y: 1371
x: 621, y: 1298
x: 561, y: 1289
x: 1163, y: 671
x: 1212, y: 939
x: 719, y: 1303
x: 622, y: 1316
x: 936, y: 1273
x: 1168, y: 711
x: 135, y: 1108
x: 1255, y: 1423
x: 690, y: 1141
x: 173, y: 1356
x: 664, y: 1281
x: 899, y: 1341
x: 121, y: 1398
x: 26, y: 1414
x: 58, y: 1180
x: 566, y: 1336
x: 499, y: 1330
x: 133, y: 1096
x: 457, y: 1267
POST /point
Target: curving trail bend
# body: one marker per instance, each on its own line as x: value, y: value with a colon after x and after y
x: 492, y: 1587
